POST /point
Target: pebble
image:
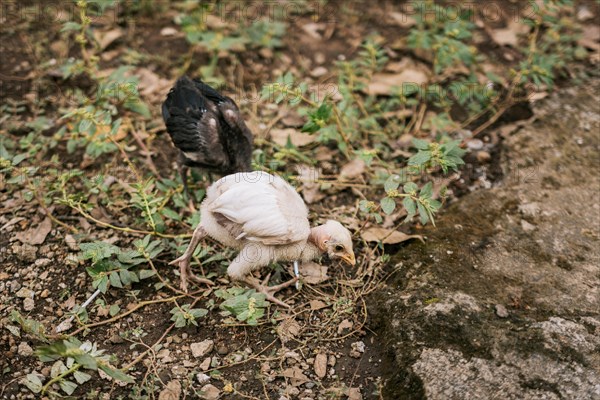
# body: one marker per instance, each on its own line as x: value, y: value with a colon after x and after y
x: 202, y: 378
x: 483, y: 156
x: 24, y: 349
x: 222, y: 350
x: 202, y: 348
x: 71, y: 243
x: 205, y: 364
x: 42, y: 262
x: 320, y: 365
x: 318, y: 72
x: 25, y: 252
x: 28, y: 304
x: 526, y: 226
x: 475, y: 144
x: 209, y: 392
x: 25, y: 293
x: 168, y: 31
x: 501, y: 311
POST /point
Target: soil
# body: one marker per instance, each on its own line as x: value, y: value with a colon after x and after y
x: 432, y: 324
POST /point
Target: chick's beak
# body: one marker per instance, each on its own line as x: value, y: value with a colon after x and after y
x: 349, y: 258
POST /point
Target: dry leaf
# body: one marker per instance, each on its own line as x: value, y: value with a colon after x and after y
x: 353, y: 169
x: 383, y: 83
x: 590, y: 36
x: 292, y: 119
x: 288, y: 329
x: 504, y: 37
x: 313, y: 273
x: 298, y: 139
x: 171, y: 392
x: 345, y: 324
x: 402, y: 20
x: 320, y: 365
x: 37, y: 235
x: 69, y: 303
x: 354, y: 394
x: 296, y: 376
x: 105, y: 39
x: 308, y: 177
x: 317, y: 305
x: 387, y: 236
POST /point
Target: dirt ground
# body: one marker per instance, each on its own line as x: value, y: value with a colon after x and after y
x: 440, y: 317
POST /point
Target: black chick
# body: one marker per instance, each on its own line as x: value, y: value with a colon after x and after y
x: 207, y: 128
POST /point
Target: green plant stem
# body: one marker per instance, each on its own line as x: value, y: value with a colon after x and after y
x: 60, y: 377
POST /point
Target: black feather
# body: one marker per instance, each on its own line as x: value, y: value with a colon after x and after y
x: 207, y: 128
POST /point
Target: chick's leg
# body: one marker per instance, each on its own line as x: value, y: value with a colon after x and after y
x: 184, y: 261
x: 241, y: 270
x: 183, y: 173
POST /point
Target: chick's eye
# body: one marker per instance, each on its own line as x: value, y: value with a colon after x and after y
x: 339, y: 247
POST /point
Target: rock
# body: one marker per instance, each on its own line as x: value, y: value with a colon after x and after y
x: 201, y: 349
x: 205, y: 364
x: 483, y: 156
x: 354, y: 394
x: 501, y: 311
x: 71, y: 243
x: 527, y: 227
x: 171, y: 392
x: 475, y: 144
x: 168, y: 31
x: 318, y: 72
x: 28, y: 304
x: 357, y: 348
x: 44, y: 293
x: 209, y: 392
x: 25, y: 252
x: 25, y: 293
x: 447, y: 343
x: 222, y: 350
x: 202, y: 378
x: 320, y: 365
x: 24, y: 349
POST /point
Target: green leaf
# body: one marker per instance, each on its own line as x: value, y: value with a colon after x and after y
x: 67, y: 386
x: 392, y: 182
x: 420, y: 158
x: 70, y: 26
x: 410, y: 188
x: 115, y: 280
x: 167, y: 212
x: 116, y: 373
x: 114, y: 310
x: 420, y: 144
x: 81, y: 377
x: 410, y: 206
x: 422, y: 213
x: 33, y: 382
x: 388, y: 205
x: 426, y: 191
x: 146, y: 273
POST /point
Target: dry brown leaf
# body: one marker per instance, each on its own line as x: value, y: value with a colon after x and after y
x: 352, y: 170
x: 354, y: 394
x: 345, y: 324
x: 152, y: 84
x: 171, y: 392
x: 387, y: 236
x: 296, y: 376
x: 504, y: 37
x: 590, y: 36
x: 308, y: 177
x: 292, y: 119
x: 403, y: 20
x: 384, y: 83
x: 313, y: 273
x: 320, y: 365
x: 288, y: 329
x: 69, y: 303
x: 105, y: 39
x: 317, y: 305
x: 37, y: 235
x: 298, y: 139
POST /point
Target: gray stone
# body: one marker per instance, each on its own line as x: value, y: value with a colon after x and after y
x: 201, y: 349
